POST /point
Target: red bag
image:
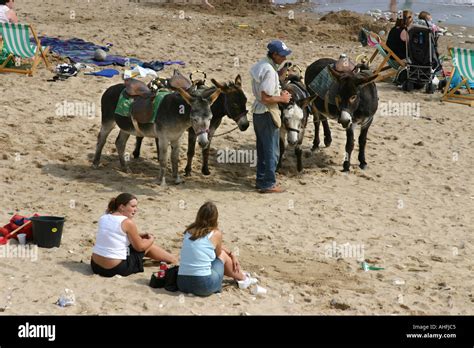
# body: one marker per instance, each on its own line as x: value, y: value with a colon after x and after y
x: 4, y: 231
x: 15, y: 222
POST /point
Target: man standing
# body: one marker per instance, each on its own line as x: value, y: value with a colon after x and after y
x: 266, y: 114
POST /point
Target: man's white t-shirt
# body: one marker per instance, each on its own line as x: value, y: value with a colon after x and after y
x: 264, y: 79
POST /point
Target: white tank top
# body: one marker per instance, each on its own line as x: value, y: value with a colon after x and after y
x: 3, y: 13
x: 111, y: 241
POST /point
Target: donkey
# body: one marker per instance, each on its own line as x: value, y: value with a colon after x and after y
x: 356, y: 103
x: 290, y: 71
x: 176, y: 113
x: 294, y: 118
x: 231, y: 102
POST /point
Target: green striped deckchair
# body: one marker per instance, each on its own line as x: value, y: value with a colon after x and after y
x: 16, y: 42
x: 390, y: 61
x: 463, y: 62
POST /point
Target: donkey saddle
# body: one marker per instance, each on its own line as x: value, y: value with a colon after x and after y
x: 143, y: 96
x: 344, y: 64
x: 142, y: 106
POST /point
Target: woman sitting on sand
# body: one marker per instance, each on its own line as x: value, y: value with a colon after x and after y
x: 7, y: 13
x: 204, y: 260
x: 119, y: 248
x: 398, y: 35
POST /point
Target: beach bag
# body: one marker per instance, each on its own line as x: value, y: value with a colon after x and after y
x: 169, y: 282
x: 15, y: 222
x: 171, y: 279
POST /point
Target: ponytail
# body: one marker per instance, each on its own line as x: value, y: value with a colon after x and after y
x: 112, y: 207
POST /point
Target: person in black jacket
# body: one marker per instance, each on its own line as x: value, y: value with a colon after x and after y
x: 398, y: 35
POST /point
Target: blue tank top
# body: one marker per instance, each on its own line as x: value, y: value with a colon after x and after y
x: 196, y: 256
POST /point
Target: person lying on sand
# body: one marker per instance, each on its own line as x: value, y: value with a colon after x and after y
x: 204, y: 259
x: 119, y: 248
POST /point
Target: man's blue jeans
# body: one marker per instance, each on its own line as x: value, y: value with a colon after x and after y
x: 268, y: 149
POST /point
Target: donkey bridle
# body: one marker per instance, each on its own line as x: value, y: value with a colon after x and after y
x: 293, y: 130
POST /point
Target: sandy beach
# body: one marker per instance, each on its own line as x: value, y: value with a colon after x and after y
x: 410, y: 212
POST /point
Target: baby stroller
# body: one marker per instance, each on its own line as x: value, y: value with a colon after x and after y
x: 423, y: 61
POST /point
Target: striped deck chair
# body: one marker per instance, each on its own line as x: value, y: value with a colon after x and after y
x: 16, y: 42
x: 463, y: 62
x: 390, y: 61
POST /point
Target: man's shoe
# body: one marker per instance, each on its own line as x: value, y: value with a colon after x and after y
x: 273, y: 189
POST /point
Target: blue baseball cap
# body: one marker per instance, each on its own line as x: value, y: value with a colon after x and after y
x: 279, y: 47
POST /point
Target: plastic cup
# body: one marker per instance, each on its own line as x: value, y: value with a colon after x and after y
x: 22, y: 238
x: 258, y: 290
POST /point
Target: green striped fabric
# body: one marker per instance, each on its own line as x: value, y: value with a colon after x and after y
x: 463, y: 59
x: 16, y: 40
x: 392, y: 62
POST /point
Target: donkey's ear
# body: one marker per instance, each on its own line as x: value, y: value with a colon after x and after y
x: 186, y: 96
x: 213, y: 97
x: 238, y: 81
x: 363, y: 81
x: 336, y: 74
x: 218, y: 84
x: 302, y: 103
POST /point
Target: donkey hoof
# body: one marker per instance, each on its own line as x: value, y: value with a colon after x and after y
x: 127, y: 170
x: 327, y: 142
x: 178, y: 181
x: 162, y: 182
x: 363, y: 166
x: 136, y: 155
x: 187, y: 171
x: 205, y: 171
x: 315, y: 148
x: 95, y: 165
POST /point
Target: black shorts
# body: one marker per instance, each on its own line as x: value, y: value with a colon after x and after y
x: 133, y: 264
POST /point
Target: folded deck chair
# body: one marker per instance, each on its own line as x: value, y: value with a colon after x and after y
x: 463, y: 63
x: 16, y: 42
x: 390, y: 61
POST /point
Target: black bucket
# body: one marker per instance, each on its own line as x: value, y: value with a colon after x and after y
x: 47, y: 231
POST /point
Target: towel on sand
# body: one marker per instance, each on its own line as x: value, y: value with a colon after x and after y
x: 105, y: 73
x: 80, y: 51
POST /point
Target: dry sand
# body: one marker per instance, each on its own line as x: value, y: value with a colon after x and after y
x: 411, y: 210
